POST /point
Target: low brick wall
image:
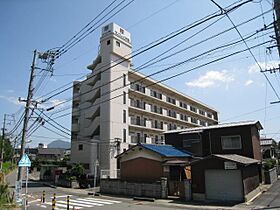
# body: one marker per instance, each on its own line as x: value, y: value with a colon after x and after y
x: 117, y: 187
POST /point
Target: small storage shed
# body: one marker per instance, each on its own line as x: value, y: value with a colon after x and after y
x: 150, y: 162
x: 225, y: 177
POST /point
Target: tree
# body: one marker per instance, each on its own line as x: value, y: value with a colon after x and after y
x: 8, y: 149
x: 78, y: 170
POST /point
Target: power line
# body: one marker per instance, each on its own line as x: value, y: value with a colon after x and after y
x: 253, y: 56
x: 147, y: 45
x: 83, y: 36
x: 175, y: 65
x: 174, y: 35
x: 88, y: 24
x: 179, y: 74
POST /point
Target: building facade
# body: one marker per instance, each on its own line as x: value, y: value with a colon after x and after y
x: 116, y: 106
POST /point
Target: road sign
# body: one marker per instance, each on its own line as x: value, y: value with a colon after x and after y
x: 24, y: 161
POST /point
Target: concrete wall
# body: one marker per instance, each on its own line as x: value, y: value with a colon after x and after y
x: 117, y: 187
x: 270, y: 176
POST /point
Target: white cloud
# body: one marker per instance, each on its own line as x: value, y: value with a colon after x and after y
x: 256, y: 69
x: 11, y: 99
x: 248, y: 82
x: 211, y: 79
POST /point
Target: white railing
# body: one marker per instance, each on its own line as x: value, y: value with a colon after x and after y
x: 106, y: 173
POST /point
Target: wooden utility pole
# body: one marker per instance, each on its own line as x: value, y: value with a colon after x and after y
x: 2, y: 143
x: 26, y: 112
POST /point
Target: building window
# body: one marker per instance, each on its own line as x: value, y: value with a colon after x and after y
x: 124, y: 97
x: 193, y: 109
x: 118, y: 43
x: 122, y: 31
x: 193, y: 120
x: 124, y: 135
x: 203, y: 123
x: 81, y: 147
x: 108, y: 42
x: 124, y: 80
x: 231, y: 142
x: 124, y: 116
x: 106, y: 28
x: 171, y: 100
x: 201, y: 112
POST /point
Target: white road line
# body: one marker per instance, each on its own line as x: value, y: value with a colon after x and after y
x: 34, y: 201
x: 90, y: 200
x: 81, y: 200
x: 63, y: 206
x: 74, y: 203
x: 43, y: 206
x: 98, y: 199
x: 62, y: 196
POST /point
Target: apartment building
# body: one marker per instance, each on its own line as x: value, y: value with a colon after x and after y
x: 116, y: 106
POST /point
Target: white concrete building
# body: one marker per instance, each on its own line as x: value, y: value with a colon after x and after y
x: 115, y: 107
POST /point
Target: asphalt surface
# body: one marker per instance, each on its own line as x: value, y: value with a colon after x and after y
x: 269, y: 200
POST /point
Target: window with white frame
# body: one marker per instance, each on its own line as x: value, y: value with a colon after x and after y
x: 231, y: 142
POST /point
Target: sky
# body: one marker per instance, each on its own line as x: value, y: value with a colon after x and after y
x: 234, y: 86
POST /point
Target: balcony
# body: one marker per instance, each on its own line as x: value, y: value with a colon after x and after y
x: 137, y: 139
x: 91, y: 111
x: 76, y: 97
x: 138, y: 104
x: 75, y: 127
x: 137, y: 121
x: 75, y: 112
x: 157, y: 125
x: 89, y: 131
x: 138, y: 88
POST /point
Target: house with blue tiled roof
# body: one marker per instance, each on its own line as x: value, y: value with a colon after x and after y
x: 148, y: 163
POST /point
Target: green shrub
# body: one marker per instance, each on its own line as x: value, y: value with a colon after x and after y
x: 269, y: 164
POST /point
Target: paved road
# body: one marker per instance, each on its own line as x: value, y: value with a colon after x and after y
x: 268, y: 200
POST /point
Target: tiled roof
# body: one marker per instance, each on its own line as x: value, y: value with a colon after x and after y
x: 223, y: 125
x: 237, y: 158
x: 166, y: 150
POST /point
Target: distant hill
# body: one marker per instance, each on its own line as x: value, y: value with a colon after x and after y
x: 59, y: 144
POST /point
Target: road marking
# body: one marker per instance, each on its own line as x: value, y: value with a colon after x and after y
x: 41, y: 205
x: 95, y: 201
x: 105, y: 200
x: 63, y: 205
x: 34, y: 201
x: 62, y: 196
x: 81, y: 200
x: 74, y: 203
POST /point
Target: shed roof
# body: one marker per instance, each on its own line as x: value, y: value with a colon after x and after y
x: 167, y: 150
x: 237, y: 158
x: 161, y: 149
x: 218, y: 126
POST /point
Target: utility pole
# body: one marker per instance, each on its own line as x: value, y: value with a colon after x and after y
x: 7, y: 119
x: 26, y: 112
x: 2, y: 143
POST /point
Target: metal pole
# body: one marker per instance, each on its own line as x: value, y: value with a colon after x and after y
x: 2, y: 143
x: 26, y: 114
x: 26, y: 184
x: 95, y: 174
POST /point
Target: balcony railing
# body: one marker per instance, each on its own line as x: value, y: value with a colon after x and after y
x: 137, y: 121
x: 138, y: 88
x: 140, y: 104
x: 137, y: 139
